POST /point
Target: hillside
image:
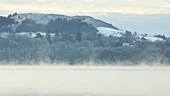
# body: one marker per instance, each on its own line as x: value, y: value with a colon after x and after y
x: 45, y: 18
x: 34, y: 23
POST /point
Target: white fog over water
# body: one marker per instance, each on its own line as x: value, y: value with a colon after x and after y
x: 84, y: 81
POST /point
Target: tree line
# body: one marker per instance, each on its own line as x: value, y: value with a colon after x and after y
x: 80, y: 48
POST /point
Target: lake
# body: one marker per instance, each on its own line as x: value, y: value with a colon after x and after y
x: 84, y: 81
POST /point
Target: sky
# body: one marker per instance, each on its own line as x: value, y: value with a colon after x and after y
x: 148, y: 16
x: 86, y: 6
x: 151, y: 24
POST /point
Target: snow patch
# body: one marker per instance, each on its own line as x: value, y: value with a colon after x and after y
x: 150, y: 38
x: 28, y: 34
x: 4, y: 34
x: 109, y: 31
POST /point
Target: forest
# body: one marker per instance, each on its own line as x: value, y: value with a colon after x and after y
x: 79, y: 49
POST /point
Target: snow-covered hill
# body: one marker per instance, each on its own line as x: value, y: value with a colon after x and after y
x: 40, y: 18
x: 45, y: 18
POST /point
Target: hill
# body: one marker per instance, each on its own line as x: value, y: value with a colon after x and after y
x: 34, y: 23
x: 44, y: 19
x: 50, y: 38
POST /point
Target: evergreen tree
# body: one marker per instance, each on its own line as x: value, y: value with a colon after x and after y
x: 38, y: 35
x: 48, y: 37
x: 78, y: 36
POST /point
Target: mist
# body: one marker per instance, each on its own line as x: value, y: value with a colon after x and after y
x: 84, y: 81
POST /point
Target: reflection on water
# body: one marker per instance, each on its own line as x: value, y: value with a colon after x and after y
x: 84, y: 81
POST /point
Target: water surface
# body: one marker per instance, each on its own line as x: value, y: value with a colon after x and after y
x: 84, y: 81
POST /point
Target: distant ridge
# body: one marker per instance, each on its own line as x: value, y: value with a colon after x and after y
x: 25, y: 23
x: 45, y: 18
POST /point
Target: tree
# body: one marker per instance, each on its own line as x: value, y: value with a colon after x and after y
x: 128, y: 37
x: 161, y: 36
x: 143, y: 38
x: 57, y: 37
x: 29, y: 25
x: 48, y: 37
x: 9, y: 16
x: 78, y: 36
x: 167, y: 53
x: 4, y: 21
x: 38, y: 35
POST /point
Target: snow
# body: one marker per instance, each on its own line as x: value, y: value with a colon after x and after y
x: 84, y: 81
x: 39, y: 18
x: 4, y: 34
x: 45, y: 18
x: 29, y: 34
x: 92, y: 21
x: 109, y: 31
x: 44, y: 33
x: 150, y: 38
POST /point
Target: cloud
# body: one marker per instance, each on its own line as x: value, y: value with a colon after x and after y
x: 88, y: 6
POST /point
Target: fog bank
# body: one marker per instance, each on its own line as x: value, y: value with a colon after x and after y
x: 84, y: 81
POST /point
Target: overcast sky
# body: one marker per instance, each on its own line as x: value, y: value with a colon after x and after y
x: 71, y: 7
